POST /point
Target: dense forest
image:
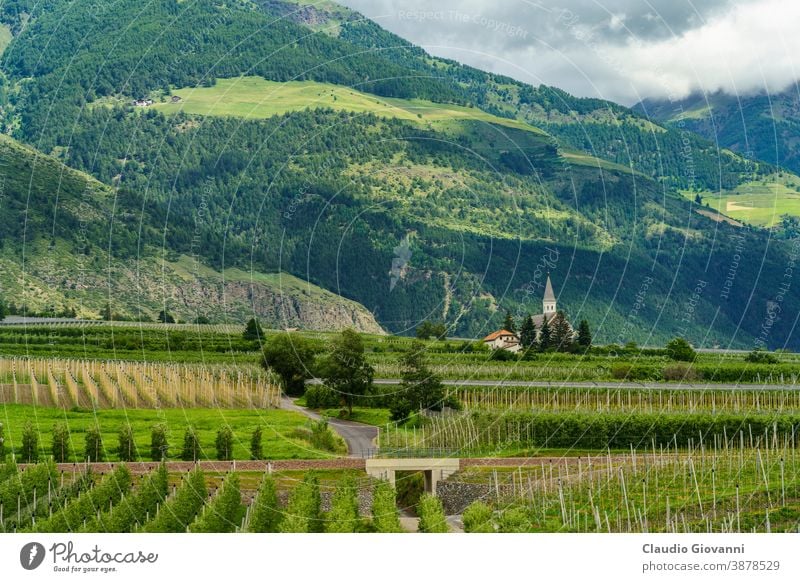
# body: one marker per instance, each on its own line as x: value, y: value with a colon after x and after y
x: 455, y: 222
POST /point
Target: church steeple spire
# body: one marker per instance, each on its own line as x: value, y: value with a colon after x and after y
x: 549, y: 299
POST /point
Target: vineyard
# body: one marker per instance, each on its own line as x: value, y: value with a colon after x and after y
x: 719, y: 488
x: 68, y: 383
x: 631, y: 399
x: 490, y: 433
x: 39, y: 499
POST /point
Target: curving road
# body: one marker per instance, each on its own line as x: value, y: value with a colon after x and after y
x: 360, y: 438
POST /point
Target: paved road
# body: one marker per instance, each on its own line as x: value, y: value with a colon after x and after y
x: 359, y: 437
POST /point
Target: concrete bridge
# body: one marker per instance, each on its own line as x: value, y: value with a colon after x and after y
x: 434, y: 470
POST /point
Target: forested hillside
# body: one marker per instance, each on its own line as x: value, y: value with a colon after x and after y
x: 456, y: 219
x: 760, y: 126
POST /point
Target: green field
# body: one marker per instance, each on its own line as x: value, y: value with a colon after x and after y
x: 256, y: 98
x: 760, y: 203
x: 281, y: 429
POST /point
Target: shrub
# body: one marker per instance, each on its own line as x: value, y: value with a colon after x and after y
x: 191, y: 445
x: 93, y: 449
x: 431, y: 515
x: 500, y: 355
x: 60, y: 448
x: 322, y: 437
x: 265, y: 515
x: 2, y: 444
x: 320, y: 396
x: 760, y: 356
x: 127, y: 446
x: 681, y: 372
x: 680, y: 350
x: 384, y: 509
x: 224, y: 443
x: 477, y: 518
x: 514, y: 520
x: 159, y: 447
x: 621, y: 371
x: 30, y: 443
x: 256, y: 445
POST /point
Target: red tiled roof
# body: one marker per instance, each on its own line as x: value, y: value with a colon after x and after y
x: 494, y: 335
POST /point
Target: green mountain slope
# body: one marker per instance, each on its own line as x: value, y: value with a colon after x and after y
x: 454, y: 217
x: 69, y: 244
x: 762, y: 127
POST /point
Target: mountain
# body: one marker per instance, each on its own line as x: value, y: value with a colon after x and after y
x: 284, y: 138
x: 761, y: 126
x: 70, y: 259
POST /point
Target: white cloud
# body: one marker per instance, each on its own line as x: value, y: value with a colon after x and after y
x: 623, y: 50
x: 751, y: 48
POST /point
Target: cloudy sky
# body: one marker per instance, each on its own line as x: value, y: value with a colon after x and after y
x: 624, y: 50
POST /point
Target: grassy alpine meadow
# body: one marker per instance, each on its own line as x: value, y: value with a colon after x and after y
x: 760, y: 203
x: 257, y: 98
x: 285, y: 434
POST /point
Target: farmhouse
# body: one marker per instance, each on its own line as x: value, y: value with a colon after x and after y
x: 503, y: 340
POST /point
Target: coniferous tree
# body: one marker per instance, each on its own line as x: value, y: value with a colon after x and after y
x: 127, y: 446
x: 165, y: 316
x: 545, y: 336
x: 93, y: 450
x: 584, y: 335
x: 253, y: 330
x: 561, y: 333
x: 159, y: 447
x: 256, y: 444
x: 30, y: 443
x: 191, y: 445
x: 508, y: 323
x: 224, y: 443
x: 527, y: 333
x: 60, y: 447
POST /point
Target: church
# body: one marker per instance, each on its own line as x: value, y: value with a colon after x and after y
x: 507, y: 340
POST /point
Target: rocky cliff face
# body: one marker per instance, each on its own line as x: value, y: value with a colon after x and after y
x: 61, y: 281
